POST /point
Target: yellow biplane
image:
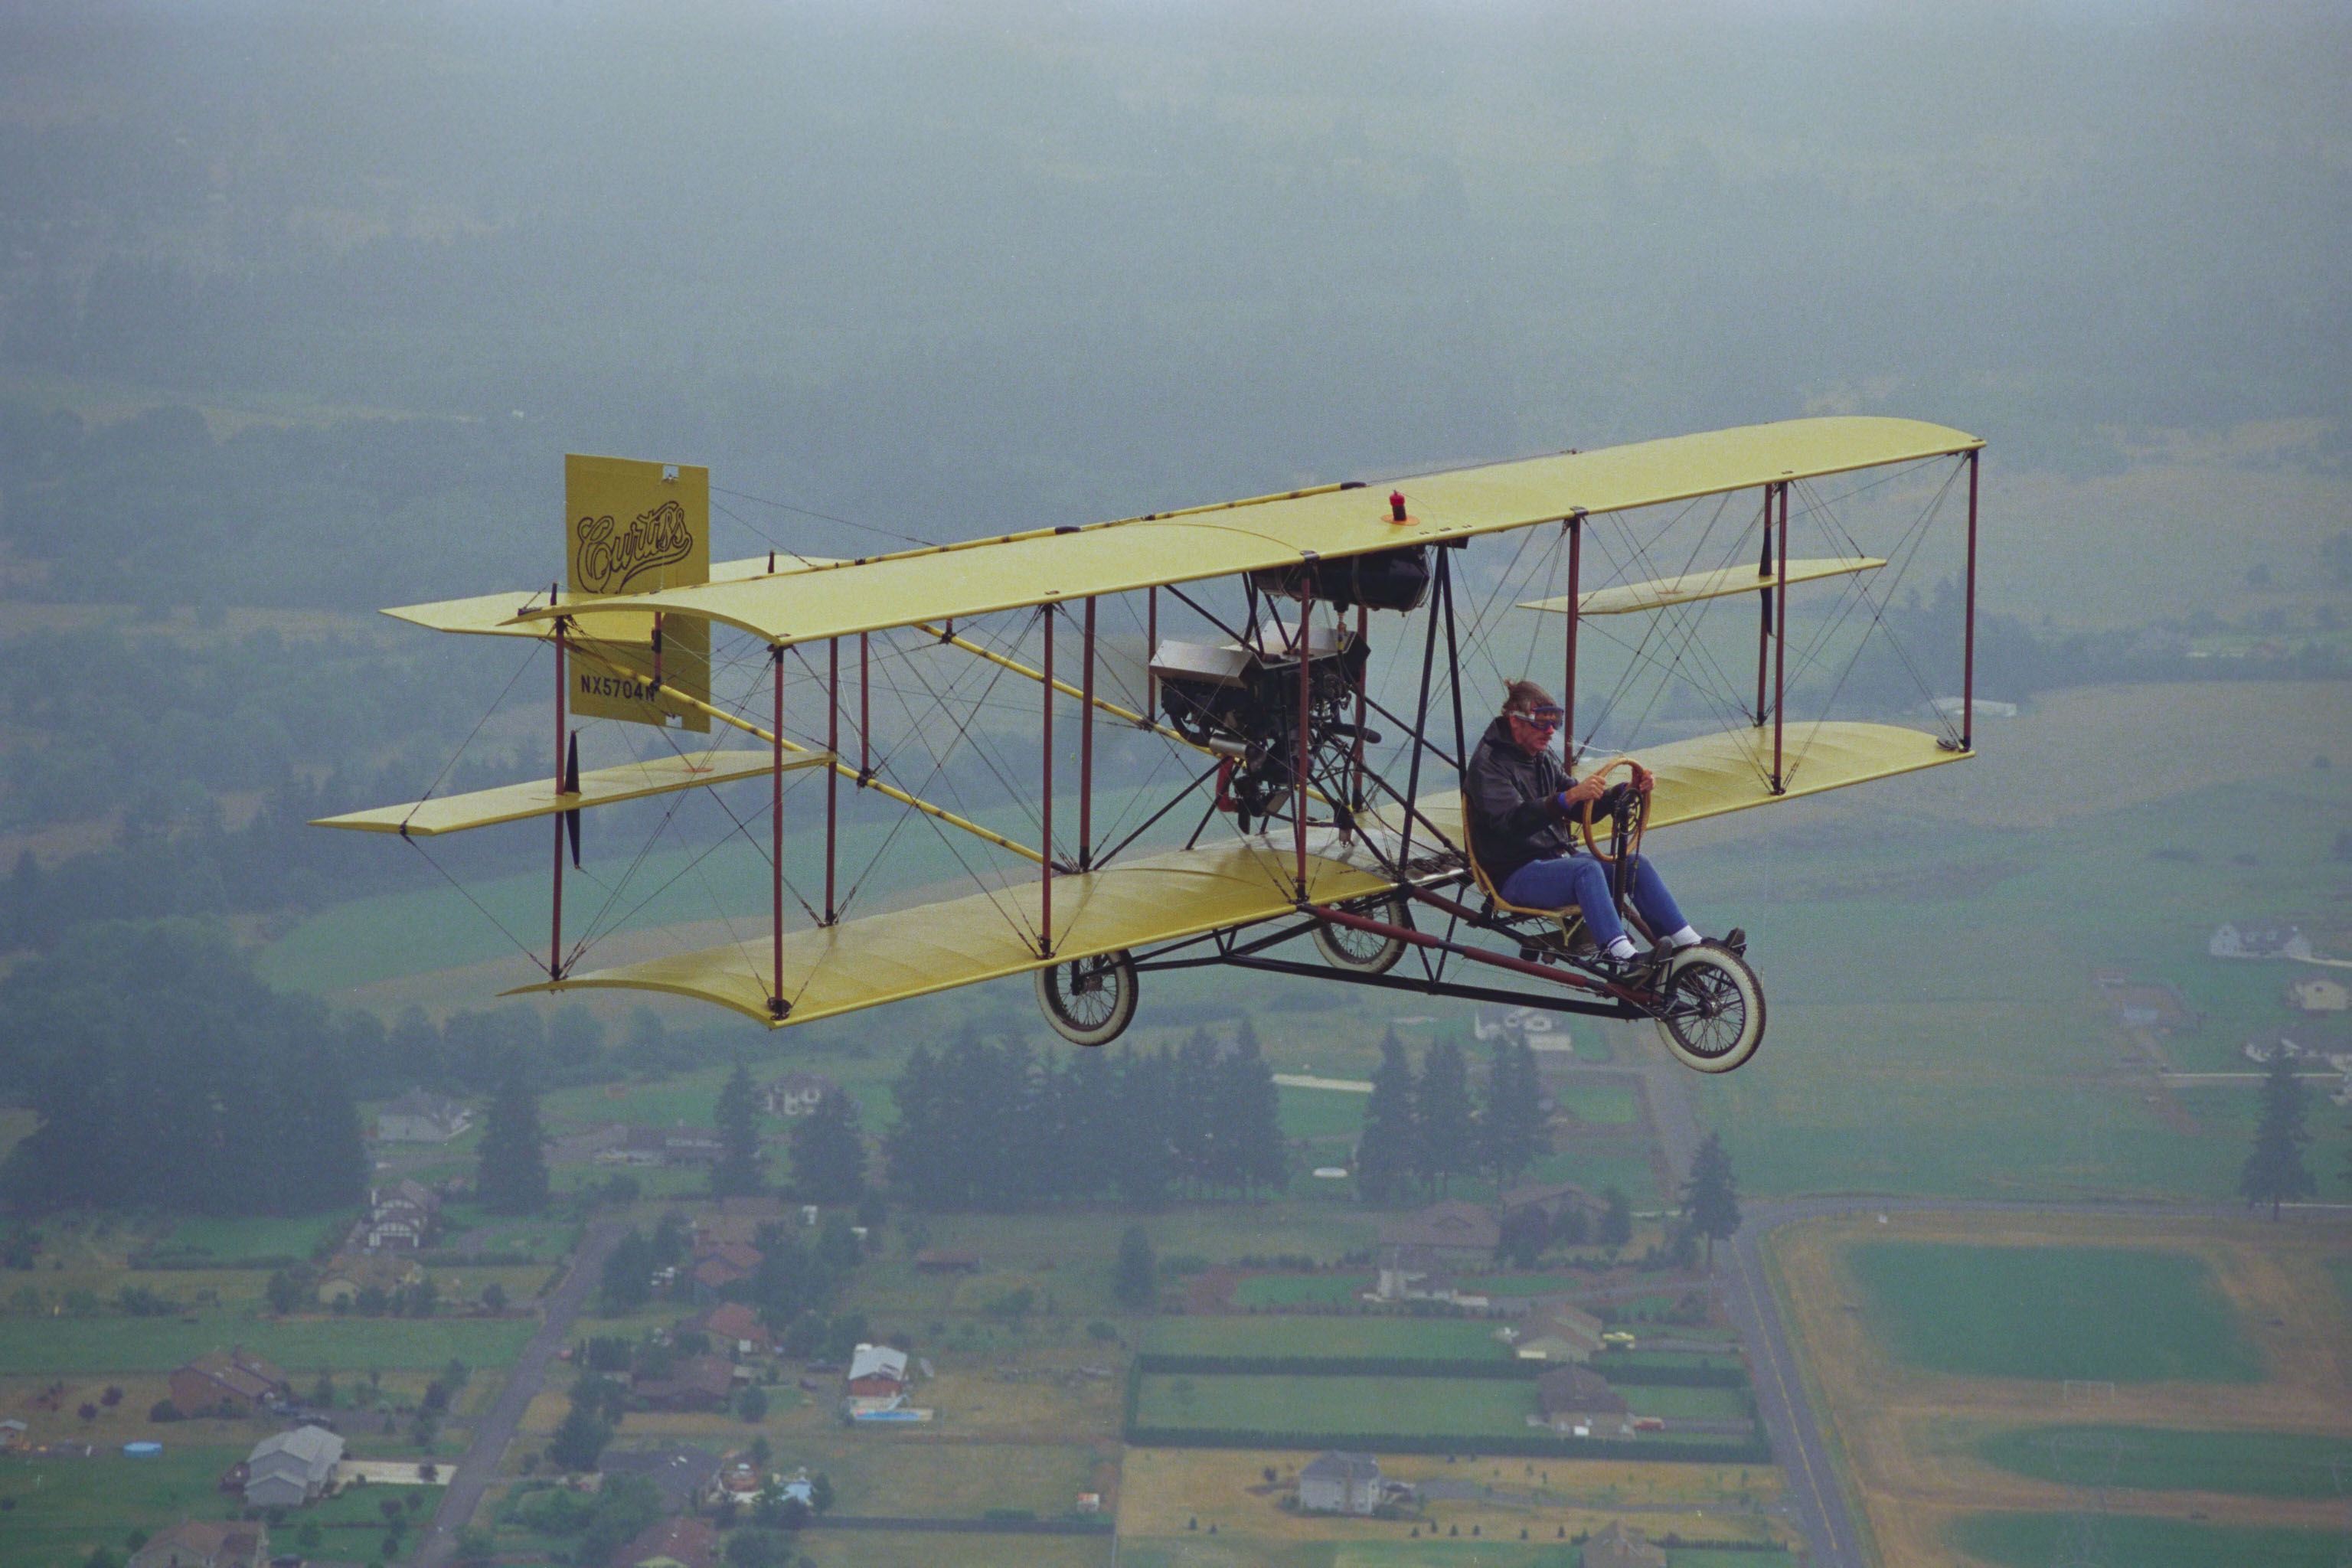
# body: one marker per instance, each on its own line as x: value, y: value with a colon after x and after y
x: 1313, y: 823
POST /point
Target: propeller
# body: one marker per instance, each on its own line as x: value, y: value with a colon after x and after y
x: 572, y: 786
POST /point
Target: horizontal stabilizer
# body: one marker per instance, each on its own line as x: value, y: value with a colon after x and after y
x: 598, y: 787
x: 1721, y: 583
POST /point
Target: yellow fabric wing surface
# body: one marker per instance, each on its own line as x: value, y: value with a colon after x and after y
x: 1627, y: 597
x: 938, y: 947
x: 493, y: 615
x: 540, y: 797
x: 1018, y: 570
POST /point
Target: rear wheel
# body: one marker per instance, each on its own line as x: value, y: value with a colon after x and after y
x: 1365, y: 951
x: 1711, y: 1009
x: 1089, y: 1001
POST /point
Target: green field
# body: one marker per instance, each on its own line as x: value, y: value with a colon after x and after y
x: 1297, y: 1289
x: 229, y: 1239
x: 2158, y: 1458
x: 2053, y: 1312
x: 1599, y: 1105
x: 1404, y: 1339
x: 1686, y: 1404
x: 1322, y: 1113
x: 1433, y: 1406
x: 2035, y: 1541
x: 159, y: 1344
x: 65, y: 1508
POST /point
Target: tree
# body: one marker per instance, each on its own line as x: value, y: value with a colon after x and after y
x: 627, y: 1280
x: 1616, y: 1220
x: 737, y: 1113
x: 820, y: 1492
x: 1449, y: 1138
x: 1511, y: 1124
x: 751, y: 1404
x: 1249, y: 1116
x: 1388, y: 1153
x: 1523, y: 1233
x: 285, y: 1292
x: 1711, y: 1197
x: 578, y: 1441
x: 511, y: 1177
x: 1133, y: 1280
x: 2275, y: 1172
x: 828, y: 1152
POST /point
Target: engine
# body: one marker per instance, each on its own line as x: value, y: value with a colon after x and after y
x: 1241, y: 700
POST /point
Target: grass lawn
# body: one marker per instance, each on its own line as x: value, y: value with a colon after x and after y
x: 2158, y: 1458
x: 2340, y: 1270
x: 159, y: 1344
x: 64, y: 1508
x: 1295, y: 1289
x: 228, y: 1239
x: 1686, y: 1404
x: 1515, y: 1284
x: 1436, y: 1406
x: 1596, y: 1169
x: 1403, y: 1338
x: 1599, y: 1105
x: 2116, y: 1313
x: 1320, y: 1113
x: 2033, y: 1541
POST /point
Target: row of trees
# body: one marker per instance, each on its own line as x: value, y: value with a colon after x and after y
x: 992, y: 1125
x: 1423, y: 1129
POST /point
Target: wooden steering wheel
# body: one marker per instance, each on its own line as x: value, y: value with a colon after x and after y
x: 1633, y: 842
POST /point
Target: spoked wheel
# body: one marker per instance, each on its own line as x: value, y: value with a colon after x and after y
x: 1089, y: 1001
x: 1365, y: 951
x: 1711, y: 1009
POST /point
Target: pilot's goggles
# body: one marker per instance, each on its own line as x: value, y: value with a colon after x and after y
x: 1543, y: 718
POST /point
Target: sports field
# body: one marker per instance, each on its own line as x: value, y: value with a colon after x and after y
x: 1431, y: 1406
x: 2113, y: 1313
x: 2158, y: 1458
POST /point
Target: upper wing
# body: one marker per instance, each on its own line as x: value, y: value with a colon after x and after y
x: 494, y: 614
x: 1050, y: 565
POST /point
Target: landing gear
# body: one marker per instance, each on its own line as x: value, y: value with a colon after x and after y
x: 1089, y: 1001
x: 1710, y: 1008
x: 1364, y: 951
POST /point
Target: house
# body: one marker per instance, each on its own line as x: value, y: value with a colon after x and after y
x: 680, y: 1542
x: 1334, y: 1482
x: 1554, y: 1198
x: 2319, y: 995
x: 1416, y: 1248
x: 697, y: 1382
x: 2271, y: 940
x: 722, y: 1266
x: 685, y: 1477
x: 797, y: 1093
x: 349, y: 1273
x: 11, y: 1435
x: 1563, y: 1333
x: 292, y: 1468
x: 419, y: 1117
x: 876, y: 1372
x: 1577, y: 1401
x: 1618, y: 1547
x: 205, y: 1543
x: 733, y: 1328
x: 229, y: 1379
x: 402, y: 1216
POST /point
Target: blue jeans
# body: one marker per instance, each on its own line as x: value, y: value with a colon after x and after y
x: 1581, y: 881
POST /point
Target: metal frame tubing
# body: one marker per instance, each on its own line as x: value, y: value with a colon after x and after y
x: 1454, y: 667
x: 1086, y: 747
x: 1420, y: 727
x: 1423, y: 938
x: 1045, y: 753
x: 865, y: 717
x: 1969, y: 643
x: 1303, y: 651
x: 777, y: 1007
x: 1363, y: 674
x: 563, y: 728
x: 1575, y: 611
x: 1780, y: 652
x: 832, y: 775
x: 1150, y: 652
x: 1764, y: 608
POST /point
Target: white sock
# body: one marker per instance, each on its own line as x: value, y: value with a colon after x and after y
x: 1621, y: 947
x: 1681, y: 939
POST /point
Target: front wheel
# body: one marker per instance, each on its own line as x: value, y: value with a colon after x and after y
x: 1710, y: 1009
x: 1089, y: 1001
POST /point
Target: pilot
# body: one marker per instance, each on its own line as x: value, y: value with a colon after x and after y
x: 1522, y: 805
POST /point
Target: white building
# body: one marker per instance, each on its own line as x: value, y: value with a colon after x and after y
x: 2276, y: 940
x: 292, y: 1468
x: 418, y: 1117
x: 1339, y: 1483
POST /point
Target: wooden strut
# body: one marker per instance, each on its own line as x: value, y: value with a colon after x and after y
x: 1045, y: 866
x: 1087, y: 748
x: 833, y: 775
x: 1356, y: 752
x: 1780, y: 652
x: 777, y: 1006
x: 865, y: 717
x: 1303, y: 652
x: 1764, y: 608
x: 563, y: 726
x: 1575, y: 612
x: 1968, y: 642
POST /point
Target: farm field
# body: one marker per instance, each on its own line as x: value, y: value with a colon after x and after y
x: 2157, y: 1458
x: 159, y: 1344
x: 1965, y: 1310
x: 229, y: 1240
x: 1402, y: 1338
x: 1924, y: 1445
x: 2032, y: 1540
x: 1436, y: 1406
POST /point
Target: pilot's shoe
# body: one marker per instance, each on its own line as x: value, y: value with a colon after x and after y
x: 1734, y: 941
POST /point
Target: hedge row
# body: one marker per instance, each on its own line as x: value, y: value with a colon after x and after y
x: 1755, y: 1452
x: 1512, y: 1370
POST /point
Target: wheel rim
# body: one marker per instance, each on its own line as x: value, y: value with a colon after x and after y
x: 1364, y: 951
x: 1712, y: 1013
x: 1088, y: 1001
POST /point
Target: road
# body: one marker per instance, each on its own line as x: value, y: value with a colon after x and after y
x: 496, y: 1429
